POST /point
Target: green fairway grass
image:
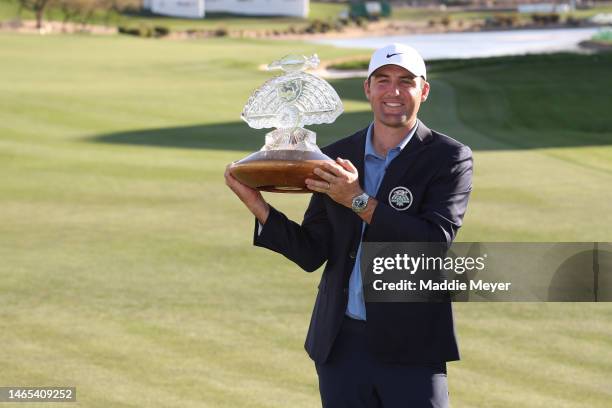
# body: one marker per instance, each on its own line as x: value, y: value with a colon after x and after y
x: 127, y: 268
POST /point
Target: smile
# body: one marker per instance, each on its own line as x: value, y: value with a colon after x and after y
x: 392, y: 104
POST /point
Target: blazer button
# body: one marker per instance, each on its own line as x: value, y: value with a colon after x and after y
x: 352, y: 254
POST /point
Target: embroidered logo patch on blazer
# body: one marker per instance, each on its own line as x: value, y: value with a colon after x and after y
x: 400, y: 198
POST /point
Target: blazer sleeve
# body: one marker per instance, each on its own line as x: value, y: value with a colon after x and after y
x: 306, y: 244
x: 441, y: 211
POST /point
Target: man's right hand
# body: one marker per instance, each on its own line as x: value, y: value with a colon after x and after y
x: 251, y: 197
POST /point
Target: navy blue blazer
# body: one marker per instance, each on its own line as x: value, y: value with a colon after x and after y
x: 438, y: 171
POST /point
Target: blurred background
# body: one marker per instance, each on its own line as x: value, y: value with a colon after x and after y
x: 126, y: 265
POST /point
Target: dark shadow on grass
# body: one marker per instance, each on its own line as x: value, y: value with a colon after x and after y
x: 239, y: 136
x: 228, y: 136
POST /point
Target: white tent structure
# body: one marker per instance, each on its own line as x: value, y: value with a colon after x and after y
x: 198, y: 8
x: 176, y: 8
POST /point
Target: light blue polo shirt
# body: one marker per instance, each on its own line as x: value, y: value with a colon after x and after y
x: 374, y: 169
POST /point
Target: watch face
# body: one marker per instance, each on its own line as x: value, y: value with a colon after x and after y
x: 359, y: 203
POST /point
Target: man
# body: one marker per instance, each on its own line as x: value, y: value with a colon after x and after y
x: 394, y: 181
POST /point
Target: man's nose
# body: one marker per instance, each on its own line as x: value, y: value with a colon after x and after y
x: 396, y: 90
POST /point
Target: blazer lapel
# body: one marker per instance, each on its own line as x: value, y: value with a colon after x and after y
x: 402, y: 163
x: 355, y: 152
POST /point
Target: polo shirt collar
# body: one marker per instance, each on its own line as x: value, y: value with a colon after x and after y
x: 369, y: 146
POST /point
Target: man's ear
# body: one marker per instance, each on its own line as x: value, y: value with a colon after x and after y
x: 424, y: 90
x: 366, y: 88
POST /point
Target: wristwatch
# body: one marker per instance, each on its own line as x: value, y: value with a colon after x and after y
x: 360, y: 203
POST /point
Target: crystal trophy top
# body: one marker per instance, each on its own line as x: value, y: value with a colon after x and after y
x: 287, y: 102
x: 290, y: 101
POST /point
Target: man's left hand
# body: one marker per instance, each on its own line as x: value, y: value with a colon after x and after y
x: 340, y: 181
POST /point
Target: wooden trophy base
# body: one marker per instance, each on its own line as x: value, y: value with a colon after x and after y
x: 279, y: 171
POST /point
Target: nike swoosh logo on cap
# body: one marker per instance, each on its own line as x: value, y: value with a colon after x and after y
x: 391, y: 55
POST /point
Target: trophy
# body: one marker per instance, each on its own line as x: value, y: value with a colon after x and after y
x: 287, y: 102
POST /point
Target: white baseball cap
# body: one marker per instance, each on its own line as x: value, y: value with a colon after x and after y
x: 400, y: 55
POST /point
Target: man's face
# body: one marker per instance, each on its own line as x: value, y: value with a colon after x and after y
x: 395, y: 95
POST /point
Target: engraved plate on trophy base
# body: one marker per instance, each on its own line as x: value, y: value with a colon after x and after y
x: 279, y: 171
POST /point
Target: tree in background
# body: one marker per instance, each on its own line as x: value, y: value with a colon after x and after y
x: 70, y: 9
x: 116, y: 7
x: 83, y: 10
x: 80, y: 11
x: 37, y: 6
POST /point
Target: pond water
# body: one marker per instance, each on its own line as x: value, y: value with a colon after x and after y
x: 477, y: 44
